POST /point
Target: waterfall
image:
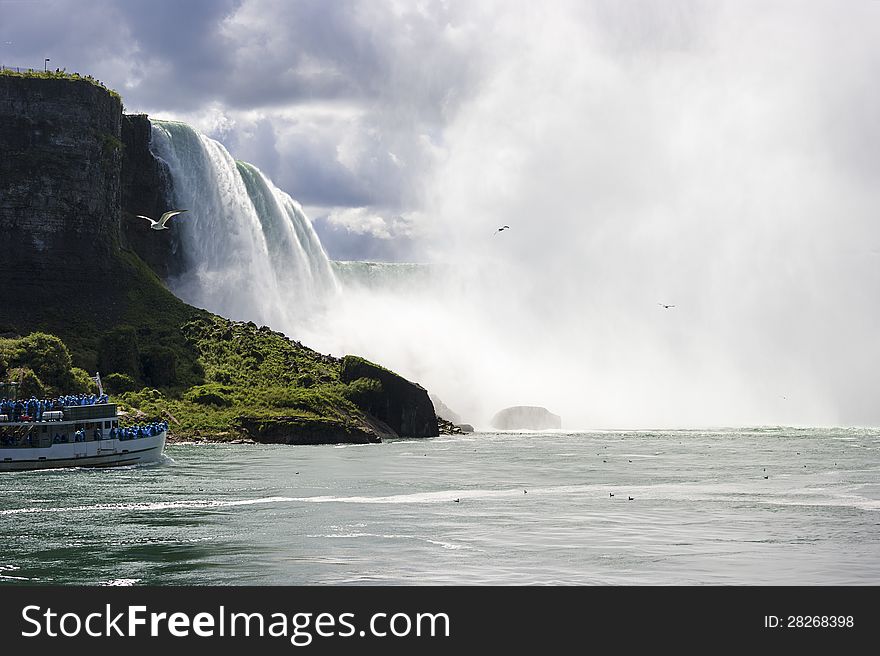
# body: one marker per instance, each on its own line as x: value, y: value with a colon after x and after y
x: 249, y: 251
x: 383, y: 276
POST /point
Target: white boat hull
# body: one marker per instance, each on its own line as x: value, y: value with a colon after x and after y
x: 97, y: 453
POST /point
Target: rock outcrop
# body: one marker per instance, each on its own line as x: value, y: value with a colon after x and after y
x: 447, y: 427
x: 146, y: 189
x: 403, y: 405
x: 59, y: 188
x: 303, y: 430
x: 526, y: 417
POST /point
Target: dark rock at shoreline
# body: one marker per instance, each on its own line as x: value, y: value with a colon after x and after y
x: 302, y: 431
x: 447, y: 427
x: 403, y: 405
x: 526, y: 417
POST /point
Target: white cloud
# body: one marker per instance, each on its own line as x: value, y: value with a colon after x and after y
x: 365, y: 221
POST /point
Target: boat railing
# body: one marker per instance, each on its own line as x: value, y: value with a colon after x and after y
x: 66, y: 413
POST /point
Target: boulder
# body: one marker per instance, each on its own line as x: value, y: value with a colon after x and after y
x: 526, y: 417
x: 447, y: 427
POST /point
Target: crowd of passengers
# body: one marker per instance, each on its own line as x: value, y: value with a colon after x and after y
x: 33, y: 409
x: 122, y: 433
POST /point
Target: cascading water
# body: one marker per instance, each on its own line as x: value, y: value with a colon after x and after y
x: 250, y: 252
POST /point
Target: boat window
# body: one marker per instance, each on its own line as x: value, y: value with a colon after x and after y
x: 106, y: 424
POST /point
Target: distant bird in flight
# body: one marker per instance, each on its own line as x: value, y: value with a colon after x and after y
x: 665, y: 306
x: 502, y: 228
x: 160, y: 224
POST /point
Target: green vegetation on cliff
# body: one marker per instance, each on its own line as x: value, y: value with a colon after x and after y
x: 250, y: 374
x: 58, y: 74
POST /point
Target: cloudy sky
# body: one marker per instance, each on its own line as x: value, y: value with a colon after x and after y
x: 722, y: 156
x: 343, y: 104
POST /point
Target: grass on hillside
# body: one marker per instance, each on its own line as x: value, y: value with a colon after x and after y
x: 164, y: 359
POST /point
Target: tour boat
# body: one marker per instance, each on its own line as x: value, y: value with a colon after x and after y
x: 73, y: 432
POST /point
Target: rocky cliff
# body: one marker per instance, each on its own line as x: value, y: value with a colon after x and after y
x: 403, y: 405
x: 146, y: 190
x: 59, y: 189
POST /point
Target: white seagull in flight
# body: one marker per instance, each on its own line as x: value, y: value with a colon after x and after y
x: 160, y: 224
x: 502, y: 228
x: 666, y: 306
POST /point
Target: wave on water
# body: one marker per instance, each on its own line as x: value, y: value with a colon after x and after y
x: 155, y: 505
x: 440, y: 543
x: 120, y: 582
x: 761, y: 492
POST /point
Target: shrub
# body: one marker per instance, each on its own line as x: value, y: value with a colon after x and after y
x: 118, y: 383
x: 210, y: 394
x: 159, y: 366
x: 118, y: 352
x: 28, y: 383
x: 49, y: 359
x: 363, y: 392
x: 82, y: 382
x: 223, y: 376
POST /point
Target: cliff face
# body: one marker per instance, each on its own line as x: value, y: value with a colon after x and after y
x: 403, y: 405
x: 59, y: 184
x: 146, y: 189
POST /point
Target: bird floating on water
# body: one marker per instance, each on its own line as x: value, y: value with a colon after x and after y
x: 665, y: 306
x: 501, y: 229
x: 457, y: 500
x: 160, y: 224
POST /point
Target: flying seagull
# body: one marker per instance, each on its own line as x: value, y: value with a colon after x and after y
x: 665, y: 306
x: 160, y: 224
x: 502, y: 228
